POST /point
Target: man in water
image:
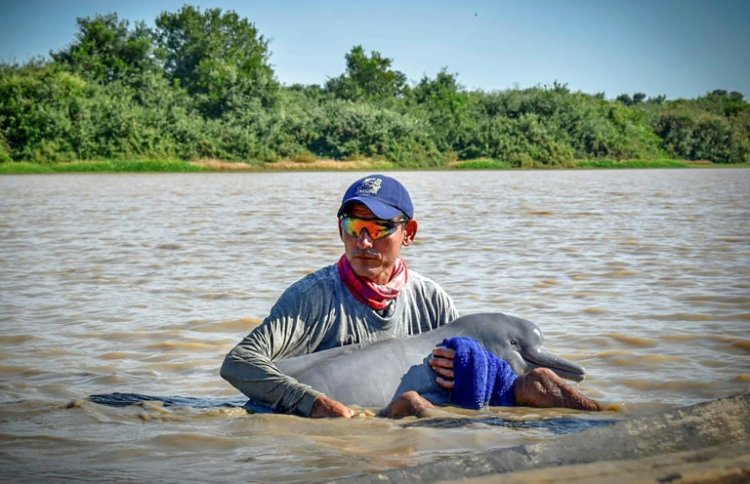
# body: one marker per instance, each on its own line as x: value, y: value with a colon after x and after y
x: 369, y: 294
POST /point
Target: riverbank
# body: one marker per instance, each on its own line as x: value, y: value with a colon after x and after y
x: 179, y: 166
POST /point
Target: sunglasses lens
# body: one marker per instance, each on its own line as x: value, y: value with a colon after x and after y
x: 376, y: 228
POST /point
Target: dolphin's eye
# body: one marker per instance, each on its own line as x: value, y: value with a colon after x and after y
x: 513, y: 342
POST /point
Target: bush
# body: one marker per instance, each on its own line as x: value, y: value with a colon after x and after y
x: 4, y: 150
x: 702, y: 136
x: 35, y: 105
x: 349, y: 130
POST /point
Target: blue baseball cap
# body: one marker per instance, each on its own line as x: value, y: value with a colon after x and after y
x: 383, y: 195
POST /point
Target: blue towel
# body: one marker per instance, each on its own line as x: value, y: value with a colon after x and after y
x: 480, y: 377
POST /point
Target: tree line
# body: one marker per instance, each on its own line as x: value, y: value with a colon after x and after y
x: 200, y: 85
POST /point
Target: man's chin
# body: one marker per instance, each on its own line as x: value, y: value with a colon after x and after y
x: 366, y: 272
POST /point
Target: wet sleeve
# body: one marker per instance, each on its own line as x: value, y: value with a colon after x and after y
x: 249, y: 366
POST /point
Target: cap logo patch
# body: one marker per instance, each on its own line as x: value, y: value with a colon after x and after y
x: 369, y: 186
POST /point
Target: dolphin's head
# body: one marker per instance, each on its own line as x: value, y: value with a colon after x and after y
x: 520, y: 343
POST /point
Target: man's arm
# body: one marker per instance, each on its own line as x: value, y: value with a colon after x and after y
x: 249, y: 366
x: 250, y: 369
x: 252, y: 372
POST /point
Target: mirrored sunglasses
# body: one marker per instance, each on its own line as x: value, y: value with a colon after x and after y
x: 377, y: 229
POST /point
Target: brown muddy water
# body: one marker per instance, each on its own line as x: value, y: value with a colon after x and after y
x: 141, y: 283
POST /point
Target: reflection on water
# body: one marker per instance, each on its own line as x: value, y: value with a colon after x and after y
x: 141, y: 283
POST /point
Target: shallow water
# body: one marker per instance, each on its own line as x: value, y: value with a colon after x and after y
x: 141, y: 283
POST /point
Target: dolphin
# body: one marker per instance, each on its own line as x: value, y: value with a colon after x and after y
x: 373, y: 375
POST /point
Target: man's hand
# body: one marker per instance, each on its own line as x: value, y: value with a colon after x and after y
x: 410, y: 404
x: 442, y: 364
x: 328, y: 407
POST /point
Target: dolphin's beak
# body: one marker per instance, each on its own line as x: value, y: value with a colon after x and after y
x: 565, y: 368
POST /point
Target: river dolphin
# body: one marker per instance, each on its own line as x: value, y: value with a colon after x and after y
x: 373, y: 375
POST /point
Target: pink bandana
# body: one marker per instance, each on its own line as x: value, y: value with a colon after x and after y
x: 377, y: 296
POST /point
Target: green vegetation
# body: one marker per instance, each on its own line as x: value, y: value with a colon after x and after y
x: 103, y: 166
x: 482, y: 164
x: 666, y: 163
x: 200, y: 86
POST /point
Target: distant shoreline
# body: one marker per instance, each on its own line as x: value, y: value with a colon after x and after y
x: 208, y: 166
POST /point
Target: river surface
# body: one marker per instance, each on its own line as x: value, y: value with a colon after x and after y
x: 142, y: 283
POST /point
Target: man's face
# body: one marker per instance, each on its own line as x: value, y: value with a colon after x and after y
x: 375, y: 259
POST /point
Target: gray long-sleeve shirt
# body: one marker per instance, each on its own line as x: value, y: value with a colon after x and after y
x: 317, y: 313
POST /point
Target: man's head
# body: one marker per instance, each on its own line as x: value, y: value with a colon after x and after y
x: 376, y: 219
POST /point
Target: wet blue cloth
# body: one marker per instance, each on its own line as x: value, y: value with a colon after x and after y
x: 481, y: 377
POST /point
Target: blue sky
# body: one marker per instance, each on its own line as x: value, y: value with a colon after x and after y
x: 680, y: 48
